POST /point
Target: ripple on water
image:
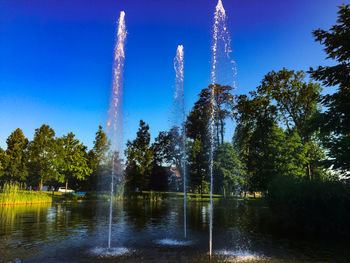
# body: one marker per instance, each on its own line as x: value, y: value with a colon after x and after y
x: 240, y: 255
x: 173, y: 242
x: 110, y: 252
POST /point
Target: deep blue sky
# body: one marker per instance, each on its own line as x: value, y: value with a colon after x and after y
x: 56, y: 56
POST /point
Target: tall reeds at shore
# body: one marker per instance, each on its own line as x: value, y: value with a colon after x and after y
x: 15, y: 193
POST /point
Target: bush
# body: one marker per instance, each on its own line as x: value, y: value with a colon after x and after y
x: 311, y: 207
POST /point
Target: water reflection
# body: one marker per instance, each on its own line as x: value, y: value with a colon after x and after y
x: 63, y: 232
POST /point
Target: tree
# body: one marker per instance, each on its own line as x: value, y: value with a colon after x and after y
x: 334, y: 123
x: 296, y: 102
x: 264, y: 148
x: 198, y: 167
x: 255, y: 118
x: 162, y: 152
x: 197, y: 130
x: 198, y: 120
x: 168, y: 149
x: 139, y: 157
x: 223, y: 105
x: 101, y: 146
x: 197, y: 124
x: 73, y: 159
x: 16, y: 152
x: 43, y: 162
x: 97, y: 160
x: 226, y: 169
x: 4, y: 158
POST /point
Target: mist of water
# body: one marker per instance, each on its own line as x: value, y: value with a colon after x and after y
x: 223, y: 66
x: 114, y: 123
x: 179, y: 104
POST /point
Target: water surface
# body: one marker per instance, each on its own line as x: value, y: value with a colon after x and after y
x: 153, y: 232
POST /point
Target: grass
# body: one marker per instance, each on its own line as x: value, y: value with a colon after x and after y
x: 14, y: 193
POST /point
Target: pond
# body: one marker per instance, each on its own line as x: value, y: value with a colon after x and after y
x: 145, y: 231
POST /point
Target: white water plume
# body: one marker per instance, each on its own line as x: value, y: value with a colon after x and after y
x: 223, y: 65
x: 179, y: 107
x: 115, y: 113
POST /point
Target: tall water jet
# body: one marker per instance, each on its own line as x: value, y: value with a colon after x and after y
x: 220, y: 60
x: 114, y: 123
x: 179, y: 104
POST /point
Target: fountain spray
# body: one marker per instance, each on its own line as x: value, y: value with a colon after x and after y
x: 220, y: 36
x: 179, y: 100
x: 114, y: 113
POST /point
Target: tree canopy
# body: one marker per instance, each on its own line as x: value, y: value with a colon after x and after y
x: 334, y: 123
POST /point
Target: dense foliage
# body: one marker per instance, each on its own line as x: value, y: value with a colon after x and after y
x: 334, y: 123
x: 53, y: 161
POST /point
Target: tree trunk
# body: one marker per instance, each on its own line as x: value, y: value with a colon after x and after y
x: 222, y: 130
x: 217, y: 134
x: 309, y: 173
x: 40, y: 184
x: 66, y: 185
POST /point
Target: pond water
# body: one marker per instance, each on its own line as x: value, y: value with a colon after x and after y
x: 146, y: 231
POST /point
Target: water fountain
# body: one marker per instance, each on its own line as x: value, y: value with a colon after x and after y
x: 179, y: 111
x: 115, y: 106
x: 221, y: 47
x: 114, y: 126
x: 179, y: 99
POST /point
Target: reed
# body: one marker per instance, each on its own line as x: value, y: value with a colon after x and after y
x: 15, y: 193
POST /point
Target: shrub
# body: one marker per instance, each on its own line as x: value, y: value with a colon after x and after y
x: 317, y: 207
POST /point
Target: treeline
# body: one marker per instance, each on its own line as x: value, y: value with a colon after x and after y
x: 285, y: 127
x: 55, y: 161
x: 160, y: 165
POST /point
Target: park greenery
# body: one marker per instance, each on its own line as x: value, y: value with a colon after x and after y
x: 291, y: 144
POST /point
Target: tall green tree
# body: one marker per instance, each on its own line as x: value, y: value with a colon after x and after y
x: 296, y: 102
x: 335, y: 121
x: 73, y: 159
x: 255, y: 118
x: 3, y: 163
x: 43, y: 161
x: 197, y: 130
x: 198, y: 166
x: 167, y: 148
x: 16, y: 152
x: 197, y: 123
x: 198, y: 119
x: 101, y: 146
x: 98, y: 161
x: 227, y: 172
x: 162, y: 149
x: 265, y: 149
x: 223, y: 104
x: 139, y: 155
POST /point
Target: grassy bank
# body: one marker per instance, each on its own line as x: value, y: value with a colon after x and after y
x: 12, y: 194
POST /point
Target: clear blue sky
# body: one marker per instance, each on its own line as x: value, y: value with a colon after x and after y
x: 56, y: 56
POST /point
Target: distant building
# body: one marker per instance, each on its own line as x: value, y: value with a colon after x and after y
x: 175, y: 179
